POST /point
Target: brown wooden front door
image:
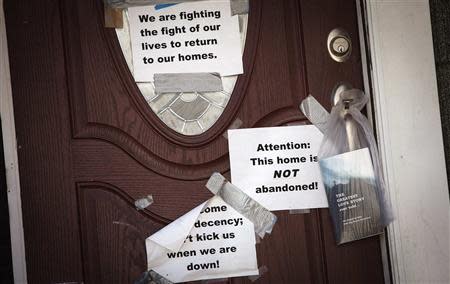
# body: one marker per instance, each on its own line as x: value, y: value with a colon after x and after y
x: 89, y: 145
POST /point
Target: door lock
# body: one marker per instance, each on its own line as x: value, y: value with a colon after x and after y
x: 339, y: 45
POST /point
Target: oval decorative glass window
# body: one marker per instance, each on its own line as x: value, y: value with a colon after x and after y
x: 187, y: 113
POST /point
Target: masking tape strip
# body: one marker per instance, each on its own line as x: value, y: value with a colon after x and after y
x: 262, y: 270
x: 239, y: 7
x: 187, y: 82
x: 237, y: 123
x: 315, y: 112
x: 152, y: 277
x: 113, y: 17
x: 143, y: 203
x: 262, y: 219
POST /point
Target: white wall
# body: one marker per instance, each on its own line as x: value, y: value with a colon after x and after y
x: 409, y: 129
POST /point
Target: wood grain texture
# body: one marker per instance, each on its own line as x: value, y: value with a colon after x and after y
x: 106, y: 103
x: 91, y: 145
x: 113, y: 234
x: 319, y: 18
x: 129, y: 122
x: 41, y: 109
x: 11, y: 170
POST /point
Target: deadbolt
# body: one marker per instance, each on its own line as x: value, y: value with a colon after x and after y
x: 339, y: 45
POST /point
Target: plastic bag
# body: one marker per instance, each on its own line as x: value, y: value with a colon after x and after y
x: 352, y: 173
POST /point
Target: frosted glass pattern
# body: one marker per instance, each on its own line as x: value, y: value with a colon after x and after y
x: 186, y: 113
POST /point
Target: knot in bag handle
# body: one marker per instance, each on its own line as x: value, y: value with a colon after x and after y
x: 353, y: 98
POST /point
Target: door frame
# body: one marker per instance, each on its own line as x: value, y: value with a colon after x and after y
x: 416, y: 242
x: 11, y: 160
x: 405, y: 99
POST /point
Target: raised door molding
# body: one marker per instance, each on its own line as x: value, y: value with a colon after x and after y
x: 106, y: 103
x: 109, y: 221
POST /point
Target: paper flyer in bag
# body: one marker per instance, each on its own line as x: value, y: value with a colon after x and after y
x: 352, y: 195
x: 211, y: 241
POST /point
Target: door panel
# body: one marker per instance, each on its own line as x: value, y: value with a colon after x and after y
x: 109, y: 222
x: 89, y: 145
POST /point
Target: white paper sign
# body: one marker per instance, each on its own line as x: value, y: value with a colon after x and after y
x: 277, y: 166
x: 190, y: 37
x: 211, y: 241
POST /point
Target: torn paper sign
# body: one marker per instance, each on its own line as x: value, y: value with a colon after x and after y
x: 211, y: 241
x: 193, y: 37
x: 277, y: 166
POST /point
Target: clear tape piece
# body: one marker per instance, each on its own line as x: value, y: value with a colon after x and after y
x: 315, y: 112
x: 187, y: 82
x: 237, y: 123
x: 262, y: 270
x: 143, y: 203
x: 262, y: 219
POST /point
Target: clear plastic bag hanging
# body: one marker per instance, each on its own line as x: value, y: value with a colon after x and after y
x: 352, y: 172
